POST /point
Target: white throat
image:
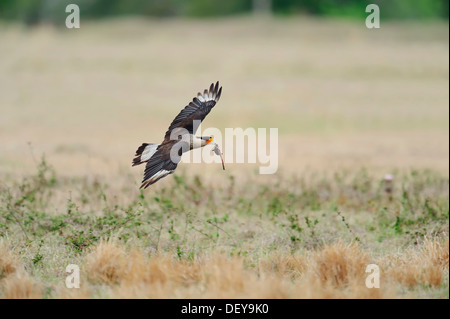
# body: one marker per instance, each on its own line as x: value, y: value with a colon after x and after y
x: 197, y: 142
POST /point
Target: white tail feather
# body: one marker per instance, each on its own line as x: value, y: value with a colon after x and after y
x: 148, y: 152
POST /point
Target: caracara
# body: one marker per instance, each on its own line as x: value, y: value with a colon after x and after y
x: 162, y: 159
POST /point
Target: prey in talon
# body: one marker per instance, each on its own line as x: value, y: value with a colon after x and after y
x: 218, y: 152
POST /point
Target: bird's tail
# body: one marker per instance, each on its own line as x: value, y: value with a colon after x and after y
x: 144, y: 153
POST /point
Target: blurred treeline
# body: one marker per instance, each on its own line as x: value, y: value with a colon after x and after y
x: 53, y: 11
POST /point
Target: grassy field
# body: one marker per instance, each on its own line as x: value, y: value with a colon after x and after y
x: 351, y: 105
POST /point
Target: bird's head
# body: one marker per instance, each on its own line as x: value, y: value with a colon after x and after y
x: 208, y: 139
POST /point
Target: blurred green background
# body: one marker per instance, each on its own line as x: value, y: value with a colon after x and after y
x: 52, y: 11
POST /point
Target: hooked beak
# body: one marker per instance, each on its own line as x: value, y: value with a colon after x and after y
x: 210, y: 140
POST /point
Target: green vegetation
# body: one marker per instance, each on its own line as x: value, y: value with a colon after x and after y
x: 35, y: 11
x: 187, y: 217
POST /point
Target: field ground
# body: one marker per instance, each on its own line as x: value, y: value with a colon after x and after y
x: 351, y: 105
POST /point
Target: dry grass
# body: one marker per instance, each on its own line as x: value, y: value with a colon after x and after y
x: 107, y: 264
x: 424, y: 266
x: 15, y: 282
x: 20, y: 285
x: 339, y: 264
x: 292, y: 266
x: 334, y: 271
x: 437, y: 252
x: 8, y: 262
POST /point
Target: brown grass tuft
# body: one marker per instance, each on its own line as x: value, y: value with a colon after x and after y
x: 339, y: 264
x: 436, y: 251
x: 292, y: 266
x: 20, y: 285
x: 146, y: 270
x: 107, y: 263
x: 8, y: 262
x: 426, y: 265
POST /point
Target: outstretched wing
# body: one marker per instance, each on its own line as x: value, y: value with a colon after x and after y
x: 160, y: 165
x: 196, y: 110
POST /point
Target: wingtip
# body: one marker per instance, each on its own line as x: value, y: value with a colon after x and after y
x: 216, y: 87
x: 219, y: 94
x: 211, y: 94
x: 215, y: 91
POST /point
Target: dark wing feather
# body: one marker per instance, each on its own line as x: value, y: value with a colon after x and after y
x: 196, y: 110
x: 159, y: 166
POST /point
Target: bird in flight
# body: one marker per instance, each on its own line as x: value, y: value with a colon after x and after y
x: 162, y: 159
